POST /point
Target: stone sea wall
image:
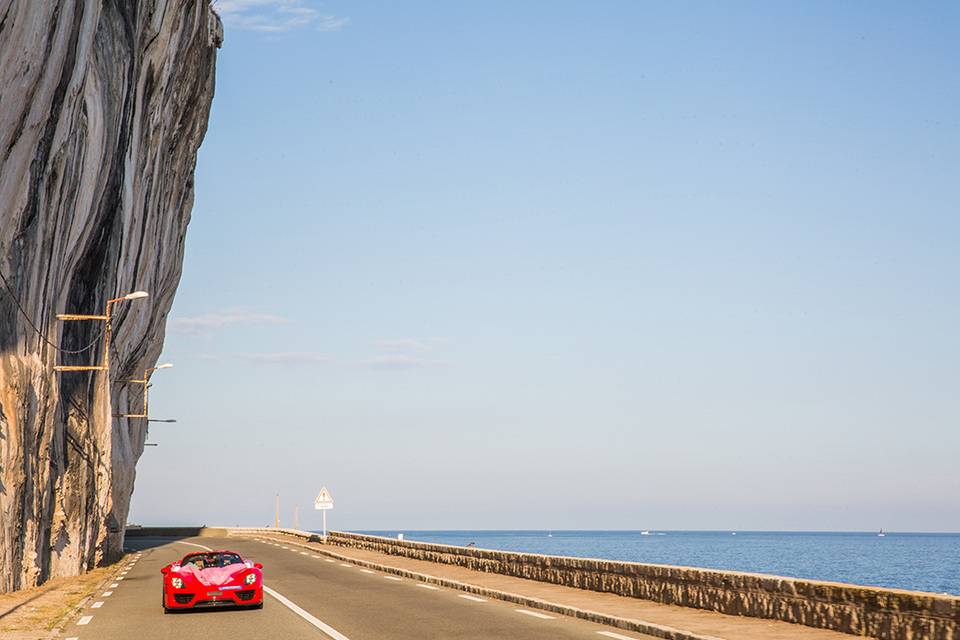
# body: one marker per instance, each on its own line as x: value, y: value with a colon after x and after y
x: 102, y: 108
x: 874, y: 612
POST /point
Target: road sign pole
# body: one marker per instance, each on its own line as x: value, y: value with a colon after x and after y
x: 324, y: 525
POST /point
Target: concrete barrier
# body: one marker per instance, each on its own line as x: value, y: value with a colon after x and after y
x: 175, y: 532
x: 890, y: 614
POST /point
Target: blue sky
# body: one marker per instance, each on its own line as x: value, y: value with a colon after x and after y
x: 566, y: 265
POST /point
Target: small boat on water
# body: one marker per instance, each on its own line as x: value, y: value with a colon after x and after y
x: 644, y: 533
x: 881, y: 534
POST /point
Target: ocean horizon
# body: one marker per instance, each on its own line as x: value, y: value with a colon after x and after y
x: 918, y: 561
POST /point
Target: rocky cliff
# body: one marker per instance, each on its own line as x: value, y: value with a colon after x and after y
x: 103, y: 104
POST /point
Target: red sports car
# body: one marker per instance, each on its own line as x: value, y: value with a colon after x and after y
x: 212, y: 579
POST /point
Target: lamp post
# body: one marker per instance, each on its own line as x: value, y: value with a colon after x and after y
x: 146, y: 385
x: 107, y: 329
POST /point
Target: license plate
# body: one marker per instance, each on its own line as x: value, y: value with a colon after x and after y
x: 231, y: 588
x: 214, y: 593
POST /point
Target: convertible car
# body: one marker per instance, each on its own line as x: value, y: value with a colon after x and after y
x: 212, y: 579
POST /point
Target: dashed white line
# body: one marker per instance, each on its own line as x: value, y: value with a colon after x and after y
x: 304, y: 553
x: 329, y: 560
x: 107, y: 594
x: 319, y: 624
x: 474, y: 598
x: 97, y: 605
x: 72, y: 638
x: 611, y: 634
x: 393, y: 578
x: 535, y: 614
x: 344, y: 564
x: 114, y: 585
x: 119, y: 579
x: 367, y: 571
x: 428, y: 586
x: 315, y: 556
x: 84, y: 620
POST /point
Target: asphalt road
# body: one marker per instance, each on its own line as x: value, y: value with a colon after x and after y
x: 310, y: 596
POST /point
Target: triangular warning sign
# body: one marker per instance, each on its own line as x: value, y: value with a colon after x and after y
x: 324, y: 500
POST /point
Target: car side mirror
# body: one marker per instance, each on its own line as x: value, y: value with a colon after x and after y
x: 166, y: 569
x: 258, y: 565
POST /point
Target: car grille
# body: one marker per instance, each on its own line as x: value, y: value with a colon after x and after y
x: 183, y: 598
x: 245, y: 595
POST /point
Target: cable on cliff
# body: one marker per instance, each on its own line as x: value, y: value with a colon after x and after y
x: 13, y: 296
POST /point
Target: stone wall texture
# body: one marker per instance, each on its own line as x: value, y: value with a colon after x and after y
x: 873, y: 612
x: 103, y: 105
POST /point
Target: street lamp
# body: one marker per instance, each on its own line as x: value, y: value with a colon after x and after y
x: 146, y: 385
x: 135, y: 295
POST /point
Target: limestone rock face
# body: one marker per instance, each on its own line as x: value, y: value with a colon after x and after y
x: 102, y: 108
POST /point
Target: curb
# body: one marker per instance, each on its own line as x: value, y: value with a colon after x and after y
x: 627, y: 624
x: 65, y: 620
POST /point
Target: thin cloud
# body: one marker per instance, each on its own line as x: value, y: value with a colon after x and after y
x: 207, y: 322
x: 276, y: 357
x: 275, y: 16
x: 402, y: 344
x: 410, y: 344
x: 287, y: 357
x: 400, y: 363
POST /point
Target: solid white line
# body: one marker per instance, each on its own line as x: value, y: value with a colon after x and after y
x: 107, y: 594
x: 84, y: 620
x: 535, y: 614
x: 474, y: 598
x: 97, y: 605
x: 319, y: 624
x: 428, y: 586
x: 611, y: 634
x: 367, y: 571
x: 194, y: 545
x: 393, y: 578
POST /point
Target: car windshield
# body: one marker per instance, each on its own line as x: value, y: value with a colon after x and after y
x: 209, y: 560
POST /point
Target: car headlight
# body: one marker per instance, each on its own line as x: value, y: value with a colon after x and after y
x: 176, y: 582
x: 250, y: 579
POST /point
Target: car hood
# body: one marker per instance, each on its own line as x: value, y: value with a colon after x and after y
x: 215, y: 576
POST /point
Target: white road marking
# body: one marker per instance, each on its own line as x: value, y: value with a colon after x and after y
x: 319, y: 624
x: 107, y: 594
x: 97, y: 605
x: 84, y: 620
x: 611, y: 634
x: 72, y: 638
x: 428, y: 586
x: 114, y: 585
x: 393, y: 578
x: 535, y: 614
x: 367, y: 571
x: 287, y: 548
x: 329, y: 560
x: 119, y: 579
x: 344, y: 564
x: 314, y: 556
x: 474, y: 598
x: 304, y: 553
x: 194, y: 545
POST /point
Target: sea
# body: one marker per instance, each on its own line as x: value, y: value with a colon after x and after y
x: 917, y: 561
